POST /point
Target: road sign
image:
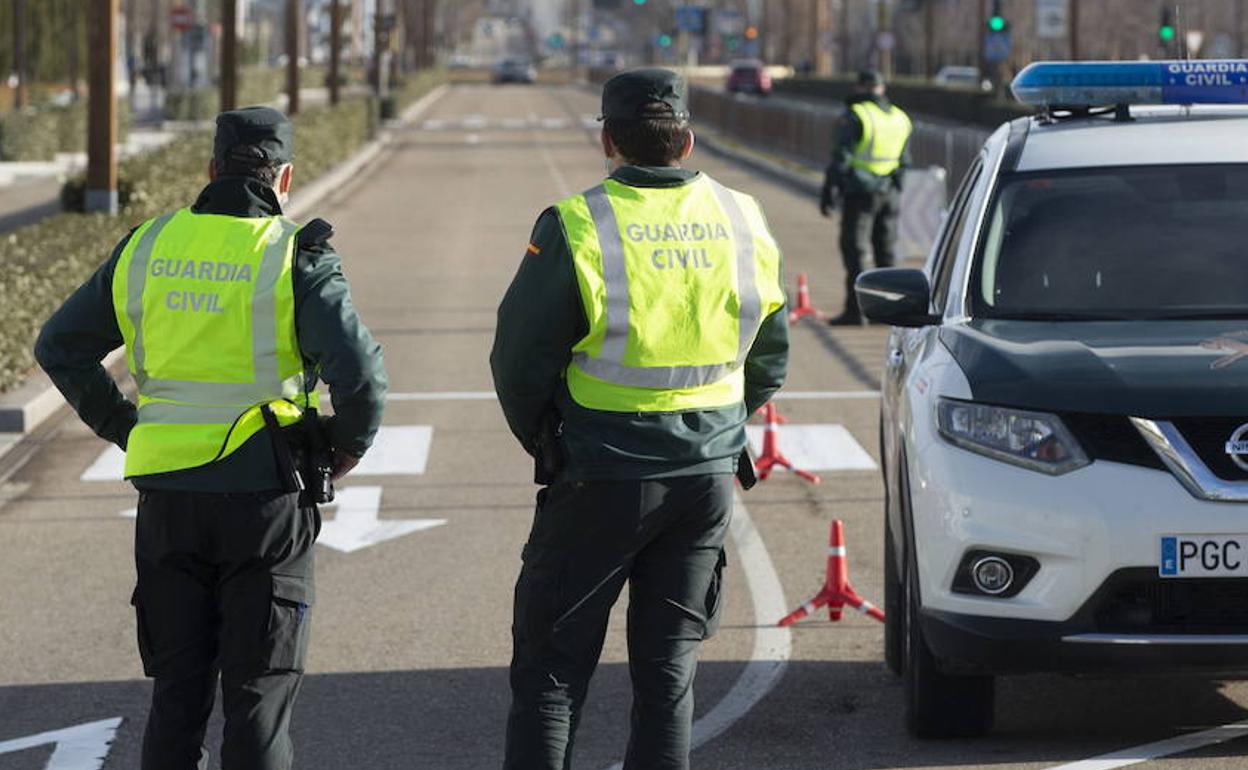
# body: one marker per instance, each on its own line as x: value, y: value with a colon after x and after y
x: 1051, y: 19
x: 730, y: 22
x: 181, y: 18
x: 691, y: 18
x: 1194, y: 38
x: 997, y: 46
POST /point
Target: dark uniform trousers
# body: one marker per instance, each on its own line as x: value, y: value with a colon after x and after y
x: 665, y: 539
x: 868, y: 217
x: 224, y: 592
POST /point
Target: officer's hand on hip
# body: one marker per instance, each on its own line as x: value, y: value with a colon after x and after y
x: 827, y: 202
x: 343, y: 464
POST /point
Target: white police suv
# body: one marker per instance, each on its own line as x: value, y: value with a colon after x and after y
x: 1065, y: 410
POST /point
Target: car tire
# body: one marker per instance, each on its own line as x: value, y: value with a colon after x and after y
x: 894, y: 609
x: 940, y: 705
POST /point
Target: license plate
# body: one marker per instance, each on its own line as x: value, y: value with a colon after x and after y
x: 1187, y: 556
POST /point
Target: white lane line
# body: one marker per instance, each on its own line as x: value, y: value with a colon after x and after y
x: 488, y: 395
x: 1166, y: 748
x: 472, y: 139
x: 772, y: 645
x: 561, y: 182
x: 834, y: 395
x: 444, y: 395
x: 816, y: 447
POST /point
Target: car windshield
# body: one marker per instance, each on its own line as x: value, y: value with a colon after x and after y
x: 1117, y: 243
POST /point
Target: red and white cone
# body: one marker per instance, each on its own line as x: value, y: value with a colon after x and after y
x: 837, y: 592
x: 771, y: 456
x: 804, y: 308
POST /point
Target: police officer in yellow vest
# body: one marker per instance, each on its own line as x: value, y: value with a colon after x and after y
x: 645, y: 324
x: 864, y: 178
x: 229, y: 313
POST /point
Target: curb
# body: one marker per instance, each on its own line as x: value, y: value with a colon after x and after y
x: 34, y: 401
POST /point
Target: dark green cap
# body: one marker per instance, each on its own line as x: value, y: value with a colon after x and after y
x: 628, y: 94
x: 256, y: 136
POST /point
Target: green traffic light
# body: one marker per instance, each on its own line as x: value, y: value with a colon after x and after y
x: 1166, y: 33
x: 639, y: 2
x: 996, y: 23
x: 665, y: 41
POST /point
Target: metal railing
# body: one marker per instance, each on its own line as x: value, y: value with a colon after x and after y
x: 805, y: 130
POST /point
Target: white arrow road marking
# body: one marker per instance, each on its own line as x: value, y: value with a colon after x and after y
x: 355, y: 524
x: 1166, y: 748
x: 109, y: 466
x: 773, y: 645
x: 82, y: 747
x: 816, y: 447
x: 399, y: 450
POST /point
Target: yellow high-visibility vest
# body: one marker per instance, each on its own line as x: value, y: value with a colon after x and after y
x: 675, y: 282
x: 205, y: 303
x: 884, y: 137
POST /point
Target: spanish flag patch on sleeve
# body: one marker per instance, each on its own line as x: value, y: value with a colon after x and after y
x: 534, y: 250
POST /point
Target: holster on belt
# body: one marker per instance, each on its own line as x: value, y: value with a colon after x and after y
x: 745, y: 470
x: 548, y: 457
x: 283, y: 456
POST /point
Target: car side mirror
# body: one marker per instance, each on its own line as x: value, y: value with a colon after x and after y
x: 897, y: 296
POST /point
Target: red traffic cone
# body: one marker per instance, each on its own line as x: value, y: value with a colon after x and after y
x: 780, y: 419
x: 836, y: 592
x: 771, y: 456
x: 804, y: 308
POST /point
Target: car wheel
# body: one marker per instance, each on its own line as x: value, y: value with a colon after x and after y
x: 894, y: 609
x: 940, y: 705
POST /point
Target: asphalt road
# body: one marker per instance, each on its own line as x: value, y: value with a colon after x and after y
x: 411, y: 641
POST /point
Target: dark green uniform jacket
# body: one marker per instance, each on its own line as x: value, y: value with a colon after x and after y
x: 336, y: 347
x: 842, y: 176
x: 539, y: 321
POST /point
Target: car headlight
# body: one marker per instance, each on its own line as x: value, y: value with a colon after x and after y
x: 1034, y: 440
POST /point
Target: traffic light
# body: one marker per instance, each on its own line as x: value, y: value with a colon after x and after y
x: 639, y: 2
x: 1165, y: 30
x: 997, y: 22
x: 664, y: 40
x: 751, y: 33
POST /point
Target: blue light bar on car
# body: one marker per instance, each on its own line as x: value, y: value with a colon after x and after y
x: 1096, y: 84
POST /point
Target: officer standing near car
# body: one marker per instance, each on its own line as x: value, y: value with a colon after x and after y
x: 229, y: 313
x: 645, y: 324
x: 864, y: 179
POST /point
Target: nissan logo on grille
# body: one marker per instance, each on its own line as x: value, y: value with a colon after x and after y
x: 1237, y: 447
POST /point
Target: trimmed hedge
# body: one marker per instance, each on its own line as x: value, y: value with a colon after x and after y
x: 46, y: 261
x: 39, y: 133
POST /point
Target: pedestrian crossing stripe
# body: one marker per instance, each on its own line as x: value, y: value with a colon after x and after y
x: 399, y: 450
x: 816, y: 447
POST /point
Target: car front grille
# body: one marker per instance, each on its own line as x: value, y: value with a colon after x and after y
x: 1138, y: 601
x: 1207, y: 437
x: 1111, y: 437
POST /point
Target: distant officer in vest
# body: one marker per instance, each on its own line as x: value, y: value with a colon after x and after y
x: 229, y: 313
x: 864, y: 179
x: 645, y: 324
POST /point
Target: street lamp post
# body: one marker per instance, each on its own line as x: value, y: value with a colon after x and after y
x: 101, y: 190
x: 292, y: 56
x: 229, y: 55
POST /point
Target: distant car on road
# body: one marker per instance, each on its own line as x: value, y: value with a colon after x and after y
x: 748, y: 77
x: 954, y: 76
x: 1064, y: 425
x: 515, y: 71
